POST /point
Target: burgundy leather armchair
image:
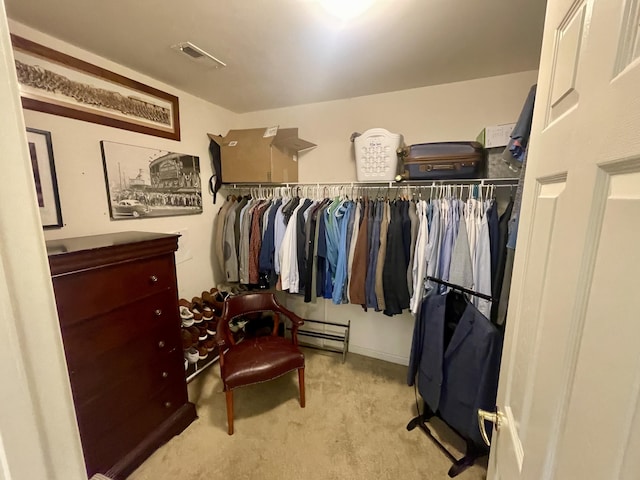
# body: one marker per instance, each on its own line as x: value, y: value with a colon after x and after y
x: 261, y: 358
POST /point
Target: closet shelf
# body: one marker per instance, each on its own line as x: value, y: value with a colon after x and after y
x: 509, y: 181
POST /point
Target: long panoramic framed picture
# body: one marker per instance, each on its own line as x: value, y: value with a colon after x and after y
x: 44, y: 176
x: 57, y: 83
x: 145, y: 182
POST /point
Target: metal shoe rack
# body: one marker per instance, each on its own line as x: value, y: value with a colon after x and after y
x: 335, y: 337
x: 195, y: 369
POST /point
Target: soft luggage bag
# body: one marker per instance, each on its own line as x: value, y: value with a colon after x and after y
x: 442, y: 161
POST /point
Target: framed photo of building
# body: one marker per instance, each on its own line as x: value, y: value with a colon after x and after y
x: 44, y: 177
x: 145, y: 182
x: 57, y: 83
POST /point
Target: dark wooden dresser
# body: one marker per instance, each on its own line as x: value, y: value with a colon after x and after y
x: 118, y: 306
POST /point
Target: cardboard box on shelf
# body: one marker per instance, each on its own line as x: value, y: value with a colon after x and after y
x: 496, y: 135
x: 261, y: 155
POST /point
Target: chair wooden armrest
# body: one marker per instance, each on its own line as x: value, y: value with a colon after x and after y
x: 295, y: 319
x: 222, y: 334
x: 296, y: 322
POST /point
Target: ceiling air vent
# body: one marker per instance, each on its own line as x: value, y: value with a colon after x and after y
x: 197, y: 54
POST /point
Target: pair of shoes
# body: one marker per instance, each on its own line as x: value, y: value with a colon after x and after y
x: 194, y: 312
x: 192, y: 355
x: 186, y: 316
x: 187, y: 339
x: 203, y: 334
x: 213, y: 300
x: 202, y: 352
x: 212, y: 326
x: 237, y: 324
x: 199, y: 305
x: 210, y: 345
x: 195, y: 333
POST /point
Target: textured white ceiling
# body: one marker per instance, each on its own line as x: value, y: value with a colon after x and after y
x: 289, y: 52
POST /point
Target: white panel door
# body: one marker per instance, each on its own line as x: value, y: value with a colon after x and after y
x: 569, y: 393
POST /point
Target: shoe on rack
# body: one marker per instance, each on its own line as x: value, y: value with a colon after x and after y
x: 185, y: 303
x: 203, y: 334
x: 212, y: 301
x: 187, y: 339
x: 210, y: 345
x: 192, y: 355
x: 237, y: 324
x: 197, y: 317
x: 186, y: 316
x: 199, y: 305
x: 202, y: 352
x: 211, y: 327
x: 195, y: 333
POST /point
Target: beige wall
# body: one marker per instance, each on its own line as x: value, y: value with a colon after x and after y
x: 83, y: 194
x: 456, y: 111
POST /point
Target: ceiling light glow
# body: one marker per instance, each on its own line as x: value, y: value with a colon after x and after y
x: 346, y: 9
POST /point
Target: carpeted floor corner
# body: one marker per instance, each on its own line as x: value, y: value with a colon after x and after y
x: 353, y: 427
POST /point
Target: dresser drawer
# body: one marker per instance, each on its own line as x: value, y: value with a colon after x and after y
x: 114, y: 405
x: 126, y: 371
x: 149, y: 327
x: 96, y: 291
x: 102, y: 451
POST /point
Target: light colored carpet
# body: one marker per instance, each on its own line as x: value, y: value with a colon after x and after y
x: 353, y: 427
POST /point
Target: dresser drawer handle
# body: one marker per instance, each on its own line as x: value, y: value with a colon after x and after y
x: 161, y: 344
x: 167, y: 404
x: 158, y: 312
x: 153, y: 279
x: 165, y: 374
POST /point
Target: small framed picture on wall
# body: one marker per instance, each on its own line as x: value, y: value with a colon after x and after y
x: 44, y: 175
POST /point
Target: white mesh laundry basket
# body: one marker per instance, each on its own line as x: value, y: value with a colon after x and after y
x: 376, y: 157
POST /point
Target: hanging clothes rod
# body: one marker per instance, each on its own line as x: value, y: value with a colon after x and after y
x: 462, y: 289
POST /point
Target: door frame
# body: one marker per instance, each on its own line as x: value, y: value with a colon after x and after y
x: 38, y: 431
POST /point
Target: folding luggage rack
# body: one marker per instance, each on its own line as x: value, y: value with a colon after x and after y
x: 473, y: 451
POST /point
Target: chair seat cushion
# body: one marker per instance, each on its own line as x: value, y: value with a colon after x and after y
x: 259, y: 359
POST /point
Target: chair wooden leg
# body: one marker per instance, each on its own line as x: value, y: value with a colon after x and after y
x: 229, y: 394
x: 301, y: 382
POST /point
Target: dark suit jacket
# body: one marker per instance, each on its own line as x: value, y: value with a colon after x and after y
x: 459, y: 378
x: 394, y: 274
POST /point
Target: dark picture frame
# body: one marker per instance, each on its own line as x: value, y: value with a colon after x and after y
x: 146, y: 182
x: 56, y: 83
x: 40, y: 150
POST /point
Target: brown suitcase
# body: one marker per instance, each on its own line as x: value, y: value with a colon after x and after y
x: 442, y: 161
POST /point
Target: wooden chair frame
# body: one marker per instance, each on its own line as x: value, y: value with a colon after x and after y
x: 247, y: 304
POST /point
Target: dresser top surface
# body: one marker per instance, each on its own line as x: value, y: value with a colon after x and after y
x: 73, y: 254
x: 94, y: 242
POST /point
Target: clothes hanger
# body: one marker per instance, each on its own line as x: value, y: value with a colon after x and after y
x: 456, y: 304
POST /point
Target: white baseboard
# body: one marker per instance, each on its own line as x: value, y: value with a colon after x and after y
x: 388, y: 357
